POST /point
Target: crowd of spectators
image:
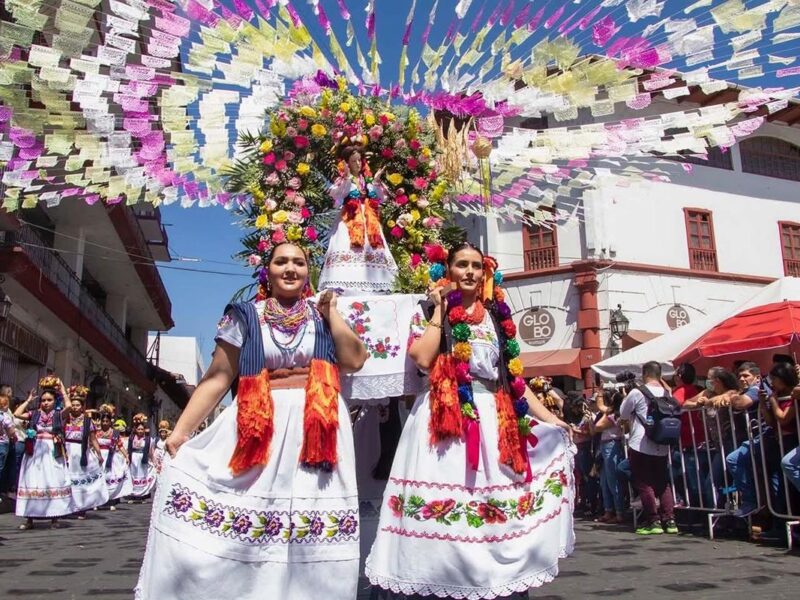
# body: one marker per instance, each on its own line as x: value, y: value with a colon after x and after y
x: 738, y: 446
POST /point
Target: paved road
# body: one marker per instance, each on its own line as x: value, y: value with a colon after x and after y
x: 99, y: 558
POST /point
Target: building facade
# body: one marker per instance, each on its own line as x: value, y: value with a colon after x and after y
x: 181, y: 357
x: 666, y: 252
x: 84, y: 292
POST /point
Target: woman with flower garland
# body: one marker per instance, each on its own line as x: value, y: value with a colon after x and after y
x: 83, y: 454
x: 358, y: 259
x: 161, y: 445
x: 264, y: 503
x: 115, y: 458
x: 141, y: 458
x: 471, y: 509
x: 44, y: 490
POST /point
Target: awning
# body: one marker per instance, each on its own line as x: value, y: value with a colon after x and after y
x: 552, y: 363
x: 634, y: 337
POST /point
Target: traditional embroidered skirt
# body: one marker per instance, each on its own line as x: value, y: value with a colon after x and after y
x: 88, y: 483
x: 158, y: 456
x: 118, y: 478
x: 44, y: 486
x: 143, y: 477
x: 448, y: 531
x: 356, y: 270
x: 279, y: 531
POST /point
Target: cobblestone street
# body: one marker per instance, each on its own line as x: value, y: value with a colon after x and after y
x: 100, y: 557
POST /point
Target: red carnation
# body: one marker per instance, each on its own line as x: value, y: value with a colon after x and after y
x: 387, y: 153
x: 301, y: 141
x: 412, y: 163
x: 414, y: 144
x: 435, y: 253
x: 509, y: 329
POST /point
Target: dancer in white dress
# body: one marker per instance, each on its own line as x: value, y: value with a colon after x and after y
x: 142, y: 459
x: 161, y: 445
x: 264, y: 503
x: 84, y: 459
x: 471, y: 510
x: 115, y: 460
x: 358, y: 259
x: 44, y: 489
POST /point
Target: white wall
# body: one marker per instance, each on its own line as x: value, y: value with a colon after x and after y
x: 181, y: 355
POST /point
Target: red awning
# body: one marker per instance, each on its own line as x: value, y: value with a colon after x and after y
x: 552, y: 363
x: 634, y: 337
x: 767, y: 327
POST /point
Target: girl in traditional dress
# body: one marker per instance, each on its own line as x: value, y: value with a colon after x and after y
x: 160, y: 445
x: 142, y: 459
x: 84, y: 460
x: 115, y: 460
x: 471, y: 510
x: 264, y: 503
x: 44, y: 489
x: 358, y: 259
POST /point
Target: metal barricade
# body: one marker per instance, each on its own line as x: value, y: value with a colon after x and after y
x: 699, y: 474
x: 768, y: 436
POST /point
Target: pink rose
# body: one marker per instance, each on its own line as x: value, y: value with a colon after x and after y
x: 384, y: 120
x: 280, y: 165
x: 401, y: 200
x: 254, y: 260
x: 305, y: 212
x: 282, y: 116
x: 295, y: 218
x: 412, y: 163
x: 431, y: 222
x: 302, y: 124
x: 270, y: 204
x: 269, y: 159
x: 311, y: 234
x: 375, y: 133
x: 420, y: 183
x: 397, y: 232
x: 416, y: 259
x: 278, y: 236
x: 291, y: 131
x: 263, y: 245
x: 414, y: 144
x: 400, y: 144
x: 301, y: 141
x: 423, y: 203
x: 387, y: 153
x: 295, y: 183
x: 288, y: 156
x: 272, y: 179
x: 325, y: 113
x: 299, y: 200
x: 290, y: 195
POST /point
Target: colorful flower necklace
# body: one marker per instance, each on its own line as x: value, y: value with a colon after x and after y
x: 286, y: 320
x: 462, y: 350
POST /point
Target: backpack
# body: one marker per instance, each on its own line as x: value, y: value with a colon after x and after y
x: 663, y: 424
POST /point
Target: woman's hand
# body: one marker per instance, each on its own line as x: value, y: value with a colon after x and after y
x: 438, y: 295
x: 565, y: 426
x: 327, y: 302
x: 174, y: 442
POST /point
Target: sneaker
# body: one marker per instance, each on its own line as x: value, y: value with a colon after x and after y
x: 652, y: 529
x: 671, y: 526
x: 745, y: 511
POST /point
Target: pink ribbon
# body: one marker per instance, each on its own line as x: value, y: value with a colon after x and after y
x: 472, y: 435
x: 529, y: 440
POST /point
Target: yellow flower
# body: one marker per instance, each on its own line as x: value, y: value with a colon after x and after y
x: 262, y: 221
x: 413, y: 197
x: 389, y: 116
x: 341, y: 82
x: 415, y: 215
x: 303, y: 168
x: 278, y: 128
x: 462, y: 351
x: 395, y: 179
x: 307, y: 111
x: 344, y: 107
x: 426, y: 152
x: 294, y: 233
x: 369, y: 119
x: 265, y: 146
x: 318, y: 130
x: 515, y: 367
x: 390, y: 223
x: 280, y: 216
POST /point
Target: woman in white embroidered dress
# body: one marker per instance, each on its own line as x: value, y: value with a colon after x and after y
x: 117, y: 475
x: 44, y: 489
x: 161, y: 445
x: 459, y: 529
x: 358, y: 259
x: 84, y: 460
x: 279, y: 529
x: 142, y: 459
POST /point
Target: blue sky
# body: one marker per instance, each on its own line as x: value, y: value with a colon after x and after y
x: 211, y: 235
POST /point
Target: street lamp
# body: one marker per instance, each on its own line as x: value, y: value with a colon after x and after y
x: 618, y: 323
x: 5, y: 305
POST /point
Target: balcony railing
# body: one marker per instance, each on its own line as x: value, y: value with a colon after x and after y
x: 792, y: 268
x: 56, y: 269
x: 541, y: 258
x: 703, y: 260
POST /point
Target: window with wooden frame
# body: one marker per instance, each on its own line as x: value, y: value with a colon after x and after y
x: 790, y: 246
x: 540, y: 244
x: 770, y: 157
x: 700, y: 237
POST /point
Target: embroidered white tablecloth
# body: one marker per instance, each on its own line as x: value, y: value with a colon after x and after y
x: 382, y: 323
